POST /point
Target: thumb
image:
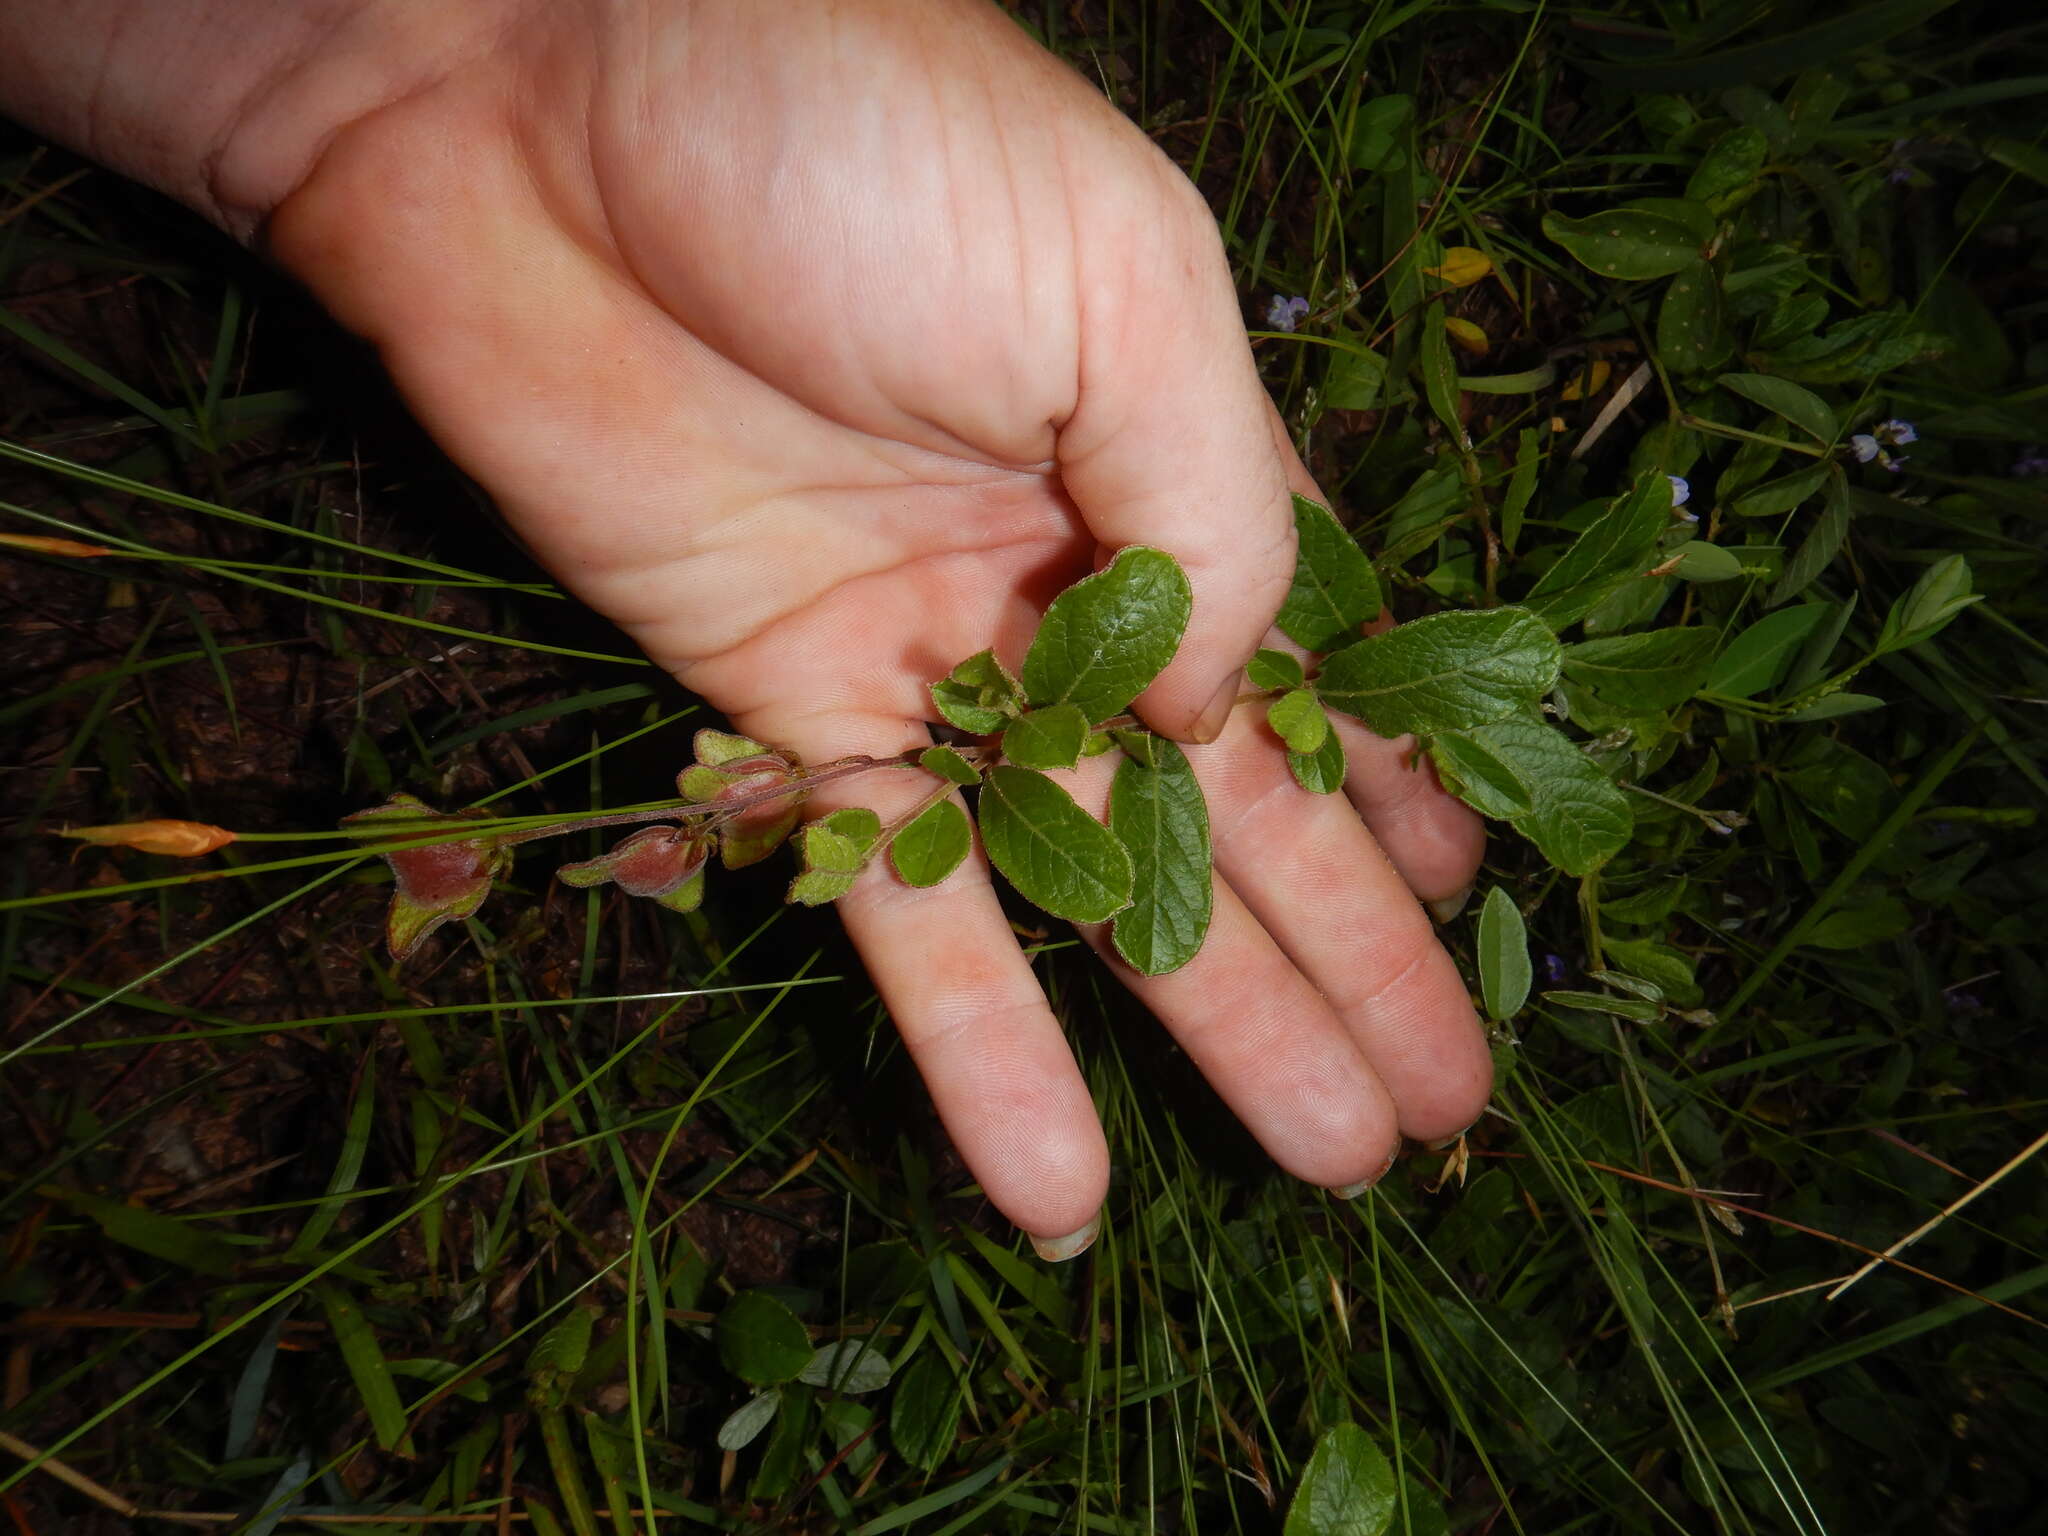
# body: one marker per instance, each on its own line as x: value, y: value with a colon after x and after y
x: 1170, y: 444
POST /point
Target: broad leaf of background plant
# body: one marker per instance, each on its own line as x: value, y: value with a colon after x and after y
x: 1157, y: 812
x: 1106, y: 637
x: 760, y: 1339
x: 1335, y: 588
x: 1617, y: 548
x: 1347, y: 1489
x: 1653, y: 671
x: 1442, y: 673
x: 1504, y: 970
x: 1056, y: 854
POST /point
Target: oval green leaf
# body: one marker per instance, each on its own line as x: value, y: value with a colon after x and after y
x: 1446, y: 672
x: 760, y: 1340
x: 848, y: 1365
x: 1321, y: 771
x: 1653, y: 671
x: 1157, y: 812
x: 1107, y: 636
x: 1762, y: 654
x: 1335, y: 588
x: 932, y: 846
x: 1347, y: 1489
x: 1627, y: 243
x: 1055, y: 854
x: 1797, y: 404
x: 1504, y: 970
x: 1273, y: 669
x: 948, y: 764
x: 1051, y: 737
x: 1297, y: 718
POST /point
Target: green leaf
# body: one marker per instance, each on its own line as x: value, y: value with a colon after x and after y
x: 1347, y: 1489
x: 948, y: 764
x: 979, y: 696
x: 183, y: 1243
x: 744, y: 1424
x: 1653, y: 671
x: 1505, y: 973
x: 1936, y: 598
x: 1322, y: 771
x: 1274, y: 669
x: 1297, y: 718
x: 1762, y: 654
x: 1444, y: 672
x: 1335, y: 589
x: 1697, y: 560
x: 1476, y: 776
x: 832, y: 851
x: 1617, y: 548
x: 1356, y: 379
x: 1056, y: 854
x: 1823, y: 541
x: 559, y: 1353
x: 1781, y: 495
x: 1107, y: 636
x: 1439, y: 371
x: 760, y: 1340
x: 932, y: 846
x: 1628, y: 243
x: 924, y: 1412
x: 1797, y: 404
x: 848, y: 1365
x: 1157, y: 812
x: 1521, y: 486
x: 1838, y: 37
x: 1692, y: 336
x: 1051, y: 737
x: 367, y: 1367
x: 1576, y: 816
x: 1736, y: 160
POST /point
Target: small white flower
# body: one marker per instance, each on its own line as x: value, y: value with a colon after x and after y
x: 1681, y: 493
x: 1864, y: 446
x: 1895, y: 433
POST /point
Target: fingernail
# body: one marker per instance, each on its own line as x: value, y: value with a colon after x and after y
x: 1447, y: 907
x: 1057, y: 1250
x: 1216, y: 715
x: 1445, y: 1143
x: 1353, y: 1191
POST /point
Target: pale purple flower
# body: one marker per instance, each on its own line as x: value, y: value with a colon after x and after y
x: 1284, y: 313
x: 2031, y: 463
x: 1681, y: 493
x: 1555, y: 971
x: 1895, y: 433
x: 1864, y: 446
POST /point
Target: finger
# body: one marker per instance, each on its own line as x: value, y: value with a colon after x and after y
x: 964, y: 999
x: 1168, y: 442
x: 1312, y: 875
x: 1264, y: 1038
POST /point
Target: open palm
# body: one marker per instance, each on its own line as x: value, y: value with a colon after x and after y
x: 818, y: 347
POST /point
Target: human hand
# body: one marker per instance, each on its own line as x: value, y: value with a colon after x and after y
x: 818, y: 347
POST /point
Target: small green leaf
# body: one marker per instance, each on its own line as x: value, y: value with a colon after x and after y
x: 932, y: 846
x: 979, y: 696
x: 1335, y: 589
x: 1697, y: 560
x: 367, y: 1367
x: 760, y: 1340
x: 1504, y: 970
x: 1521, y: 486
x: 847, y: 1365
x: 1297, y: 718
x: 1775, y: 497
x: 1443, y: 673
x: 1347, y: 1489
x: 1321, y: 771
x: 1157, y: 812
x: 183, y: 1243
x: 832, y: 851
x: 1576, y: 816
x: 1476, y: 776
x: 1136, y: 744
x: 1797, y: 404
x: 1614, y: 550
x: 744, y: 1424
x: 948, y: 764
x: 1107, y: 636
x: 1439, y: 371
x: 924, y: 1411
x: 1356, y: 379
x: 1274, y: 669
x: 716, y: 748
x: 559, y: 1353
x: 1936, y: 598
x: 1736, y: 160
x: 1628, y: 243
x: 1051, y: 737
x: 1692, y: 336
x: 1762, y: 654
x: 1823, y: 541
x: 1056, y: 854
x: 1657, y: 670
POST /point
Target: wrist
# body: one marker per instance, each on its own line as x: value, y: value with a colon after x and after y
x: 225, y: 105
